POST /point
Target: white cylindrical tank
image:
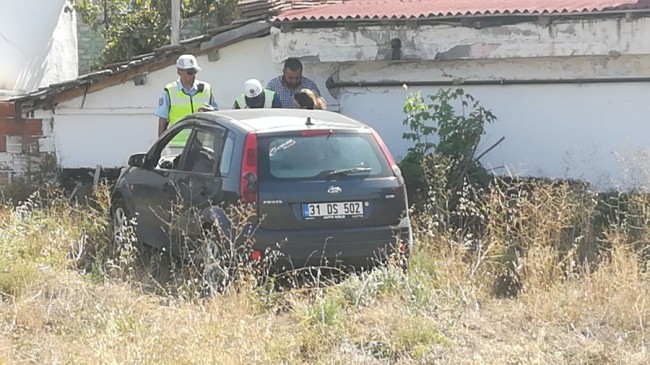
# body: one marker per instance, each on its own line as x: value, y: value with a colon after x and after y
x: 38, y: 44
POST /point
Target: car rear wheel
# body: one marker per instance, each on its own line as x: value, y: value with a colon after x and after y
x: 218, y: 264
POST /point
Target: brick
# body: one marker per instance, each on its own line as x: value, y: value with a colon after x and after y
x: 46, y: 145
x: 27, y: 164
x: 15, y: 145
x: 3, y: 143
x: 22, y: 164
x: 47, y: 127
x: 5, y: 178
x: 6, y: 161
x: 31, y: 144
x: 33, y: 127
x: 7, y: 109
x: 48, y: 164
x: 8, y: 126
x: 19, y: 127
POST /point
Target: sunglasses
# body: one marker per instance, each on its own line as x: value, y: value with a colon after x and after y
x: 190, y: 71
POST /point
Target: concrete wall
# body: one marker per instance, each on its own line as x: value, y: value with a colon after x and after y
x: 596, y: 132
x: 593, y: 131
x: 405, y: 72
x: 38, y: 43
x: 562, y: 38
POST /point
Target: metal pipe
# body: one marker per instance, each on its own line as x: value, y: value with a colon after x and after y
x: 331, y: 84
x: 176, y: 22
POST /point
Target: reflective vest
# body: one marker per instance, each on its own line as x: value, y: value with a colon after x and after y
x: 268, y: 100
x: 182, y: 104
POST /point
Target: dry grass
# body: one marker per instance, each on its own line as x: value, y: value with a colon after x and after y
x: 577, y: 292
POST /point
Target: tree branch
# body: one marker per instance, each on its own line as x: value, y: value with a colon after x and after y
x: 490, y: 149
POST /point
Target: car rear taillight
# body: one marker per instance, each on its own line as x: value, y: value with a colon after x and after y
x: 384, y: 149
x: 248, y: 184
x: 256, y: 255
x: 389, y: 157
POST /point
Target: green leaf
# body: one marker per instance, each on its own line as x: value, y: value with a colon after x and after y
x: 133, y: 27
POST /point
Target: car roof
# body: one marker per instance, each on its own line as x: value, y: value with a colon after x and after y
x: 276, y: 120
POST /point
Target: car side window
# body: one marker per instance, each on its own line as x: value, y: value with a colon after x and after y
x: 226, y: 157
x: 170, y: 153
x: 203, y: 152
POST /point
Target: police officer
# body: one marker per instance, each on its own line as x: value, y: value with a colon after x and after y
x: 183, y: 97
x: 254, y: 96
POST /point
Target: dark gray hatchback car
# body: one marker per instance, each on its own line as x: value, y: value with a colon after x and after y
x: 324, y: 184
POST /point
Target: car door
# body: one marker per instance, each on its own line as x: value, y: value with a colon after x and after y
x: 199, y: 180
x: 153, y: 189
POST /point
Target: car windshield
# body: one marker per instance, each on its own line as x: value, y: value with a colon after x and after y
x: 350, y: 155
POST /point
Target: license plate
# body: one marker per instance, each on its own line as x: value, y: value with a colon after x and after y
x: 339, y: 210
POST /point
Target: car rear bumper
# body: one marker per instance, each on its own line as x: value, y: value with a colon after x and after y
x: 358, y: 247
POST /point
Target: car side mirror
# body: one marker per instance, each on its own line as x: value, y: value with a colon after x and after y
x: 167, y: 165
x: 137, y: 160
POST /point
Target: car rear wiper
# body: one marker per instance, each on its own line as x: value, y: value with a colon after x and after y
x: 352, y: 170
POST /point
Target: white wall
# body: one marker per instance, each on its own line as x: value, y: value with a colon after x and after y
x: 597, y: 132
x: 38, y: 44
x: 107, y: 139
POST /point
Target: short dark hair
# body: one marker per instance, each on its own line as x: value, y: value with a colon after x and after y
x: 293, y: 64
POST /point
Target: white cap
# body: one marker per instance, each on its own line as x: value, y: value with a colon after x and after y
x: 187, y: 61
x: 252, y: 88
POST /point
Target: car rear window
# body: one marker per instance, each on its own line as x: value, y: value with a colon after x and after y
x: 316, y: 157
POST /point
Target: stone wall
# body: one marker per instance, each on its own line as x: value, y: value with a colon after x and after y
x: 91, y: 44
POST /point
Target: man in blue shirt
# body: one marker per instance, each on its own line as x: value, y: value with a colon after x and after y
x: 189, y: 95
x: 290, y: 82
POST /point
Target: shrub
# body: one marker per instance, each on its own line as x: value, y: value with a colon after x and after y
x: 445, y: 141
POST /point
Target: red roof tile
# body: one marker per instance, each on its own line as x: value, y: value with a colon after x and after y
x: 405, y: 9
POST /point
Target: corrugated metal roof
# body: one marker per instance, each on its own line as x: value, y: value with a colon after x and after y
x: 414, y: 9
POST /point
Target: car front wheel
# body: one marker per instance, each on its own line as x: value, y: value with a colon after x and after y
x: 121, y: 224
